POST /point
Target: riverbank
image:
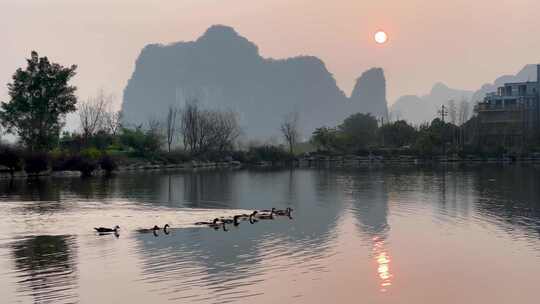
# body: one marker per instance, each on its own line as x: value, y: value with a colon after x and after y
x: 132, y: 167
x: 345, y: 161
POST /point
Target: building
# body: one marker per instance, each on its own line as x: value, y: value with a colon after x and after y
x: 510, y: 117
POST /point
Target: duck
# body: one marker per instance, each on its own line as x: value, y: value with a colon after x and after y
x: 263, y: 216
x: 165, y: 229
x: 212, y: 223
x: 107, y: 230
x: 284, y: 212
x: 145, y: 230
x: 154, y: 229
x: 252, y: 219
x: 273, y: 210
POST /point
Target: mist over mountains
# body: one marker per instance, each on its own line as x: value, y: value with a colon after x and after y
x: 224, y: 70
x: 419, y: 109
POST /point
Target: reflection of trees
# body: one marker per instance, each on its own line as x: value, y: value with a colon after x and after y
x: 47, y: 268
x: 511, y: 194
x: 370, y: 201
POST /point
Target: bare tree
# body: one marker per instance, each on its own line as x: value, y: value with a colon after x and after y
x: 463, y: 112
x: 226, y: 130
x: 289, y: 130
x: 92, y: 114
x: 452, y: 113
x: 170, y: 126
x: 204, y: 130
x: 112, y: 122
x: 190, y: 124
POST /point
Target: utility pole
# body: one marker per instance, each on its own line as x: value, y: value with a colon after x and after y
x: 443, y: 113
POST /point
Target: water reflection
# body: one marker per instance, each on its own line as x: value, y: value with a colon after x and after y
x: 382, y: 257
x: 46, y: 268
x: 353, y: 231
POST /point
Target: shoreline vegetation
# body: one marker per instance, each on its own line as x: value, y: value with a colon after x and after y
x: 311, y: 160
x: 194, y: 136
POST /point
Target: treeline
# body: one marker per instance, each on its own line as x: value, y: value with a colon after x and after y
x: 41, y: 97
x: 363, y: 134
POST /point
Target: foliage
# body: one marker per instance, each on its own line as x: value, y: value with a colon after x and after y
x: 108, y: 164
x: 10, y: 158
x: 360, y: 130
x: 40, y: 97
x: 267, y: 153
x: 142, y: 143
x: 91, y: 153
x: 397, y: 134
x: 36, y: 162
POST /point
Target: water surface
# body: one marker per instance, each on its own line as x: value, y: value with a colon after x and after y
x: 417, y: 235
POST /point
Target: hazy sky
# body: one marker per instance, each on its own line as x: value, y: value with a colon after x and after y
x: 463, y: 43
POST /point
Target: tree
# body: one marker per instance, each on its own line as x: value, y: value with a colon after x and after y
x: 398, y: 134
x: 289, y: 130
x: 360, y: 130
x: 170, y: 126
x: 226, y: 130
x: 113, y: 122
x: 206, y: 130
x: 324, y: 138
x: 92, y: 115
x: 40, y: 98
x: 190, y: 125
x: 452, y: 111
x: 463, y: 112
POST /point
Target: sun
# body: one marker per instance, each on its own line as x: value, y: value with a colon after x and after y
x: 381, y: 37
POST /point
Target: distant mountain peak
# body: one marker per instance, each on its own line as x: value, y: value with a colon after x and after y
x: 369, y: 93
x: 225, y: 70
x: 219, y: 31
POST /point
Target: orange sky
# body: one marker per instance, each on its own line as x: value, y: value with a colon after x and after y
x: 463, y: 43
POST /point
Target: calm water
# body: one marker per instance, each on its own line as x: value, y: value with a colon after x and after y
x: 369, y: 236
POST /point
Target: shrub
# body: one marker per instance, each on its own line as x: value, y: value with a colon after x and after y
x: 176, y: 157
x: 10, y: 158
x: 267, y: 153
x: 35, y: 163
x: 91, y: 153
x: 108, y: 164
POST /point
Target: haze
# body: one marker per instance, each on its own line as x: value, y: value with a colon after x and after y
x: 462, y: 43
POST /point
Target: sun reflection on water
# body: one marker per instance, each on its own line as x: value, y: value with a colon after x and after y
x: 382, y: 257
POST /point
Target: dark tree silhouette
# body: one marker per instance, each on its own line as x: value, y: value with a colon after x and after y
x: 40, y: 97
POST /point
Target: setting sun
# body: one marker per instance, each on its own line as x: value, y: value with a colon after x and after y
x: 381, y: 37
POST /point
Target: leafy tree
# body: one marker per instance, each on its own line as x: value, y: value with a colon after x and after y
x: 397, y: 134
x: 10, y: 158
x: 143, y: 143
x: 40, y: 97
x: 324, y: 138
x: 360, y: 130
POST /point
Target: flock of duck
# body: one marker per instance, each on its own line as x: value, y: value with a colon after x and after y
x: 217, y: 223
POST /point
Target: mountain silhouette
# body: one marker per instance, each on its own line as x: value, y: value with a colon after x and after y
x: 369, y: 93
x: 420, y: 109
x: 224, y: 70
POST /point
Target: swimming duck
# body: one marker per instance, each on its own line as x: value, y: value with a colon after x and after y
x: 263, y: 216
x: 145, y: 230
x: 214, y: 222
x: 235, y: 220
x: 273, y: 210
x: 154, y: 229
x: 284, y: 212
x: 107, y: 230
x: 165, y: 229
